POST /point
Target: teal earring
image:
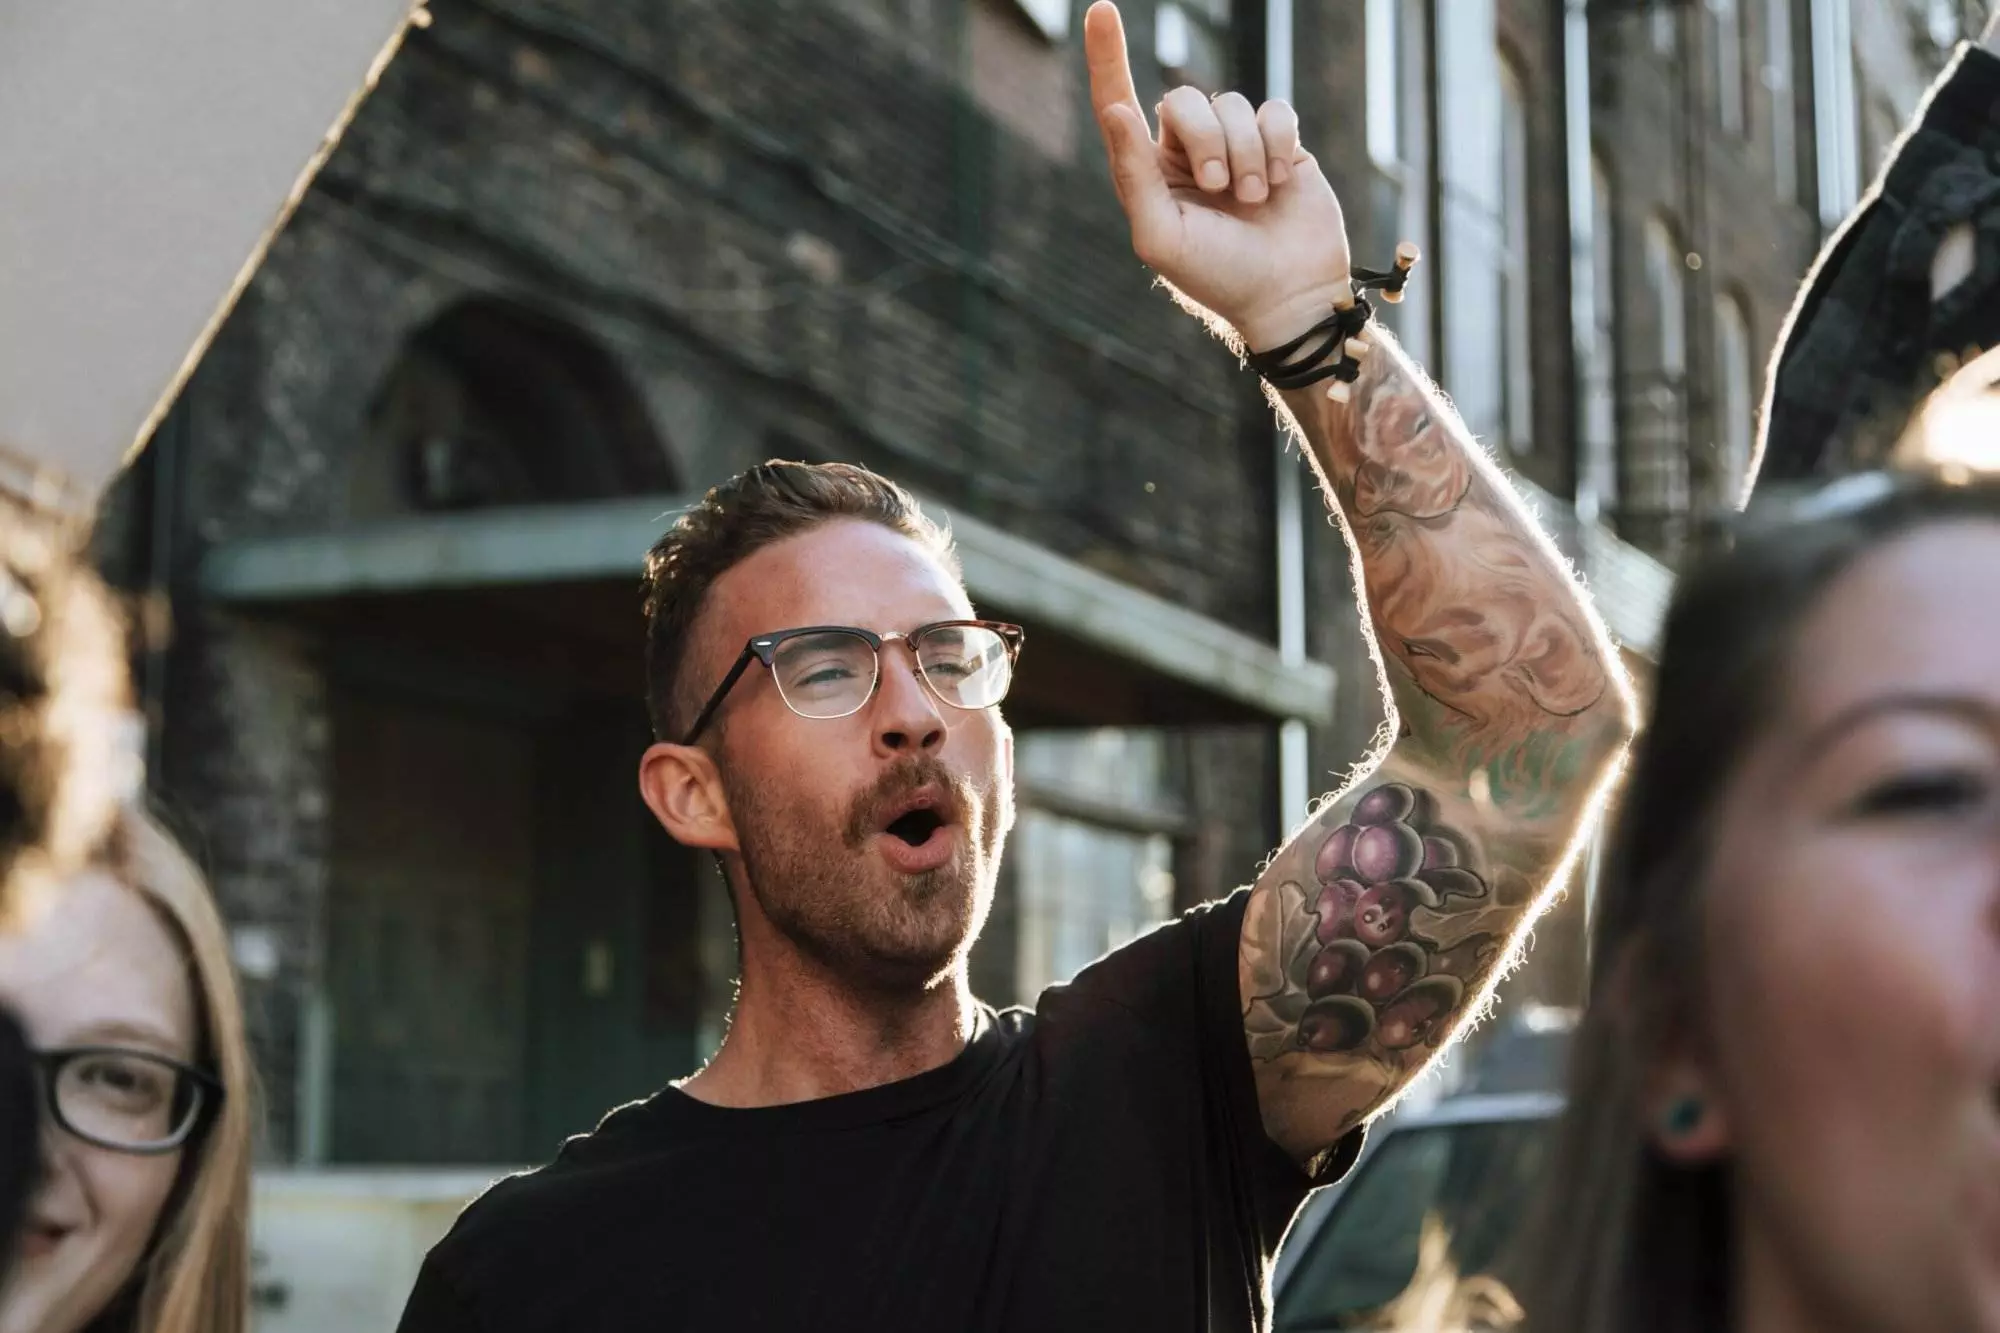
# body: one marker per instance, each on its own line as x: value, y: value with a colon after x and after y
x: 1684, y: 1114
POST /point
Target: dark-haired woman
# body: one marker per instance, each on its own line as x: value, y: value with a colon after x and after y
x: 1785, y: 1106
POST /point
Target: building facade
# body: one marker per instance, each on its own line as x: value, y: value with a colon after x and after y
x: 577, y: 260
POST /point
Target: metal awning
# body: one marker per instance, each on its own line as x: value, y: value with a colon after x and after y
x: 1101, y: 650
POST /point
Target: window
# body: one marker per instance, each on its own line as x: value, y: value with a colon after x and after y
x: 1665, y: 32
x: 1836, y: 110
x: 1191, y: 42
x: 1399, y: 148
x: 1092, y: 867
x: 1778, y: 85
x: 1385, y: 84
x: 1599, y: 363
x: 1728, y: 17
x: 1665, y: 265
x: 1516, y: 373
x: 1473, y: 228
x: 1735, y: 403
x: 1472, y: 1178
x: 1051, y: 16
x: 1654, y: 481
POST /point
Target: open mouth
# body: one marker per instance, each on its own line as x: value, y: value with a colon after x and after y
x: 915, y: 827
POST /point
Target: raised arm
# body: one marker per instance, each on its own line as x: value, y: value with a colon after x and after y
x: 1379, y: 928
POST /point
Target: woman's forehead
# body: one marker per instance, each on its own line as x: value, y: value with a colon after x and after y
x: 1919, y: 613
x: 99, y: 960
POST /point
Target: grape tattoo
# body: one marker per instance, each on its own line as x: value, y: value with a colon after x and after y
x: 1359, y: 973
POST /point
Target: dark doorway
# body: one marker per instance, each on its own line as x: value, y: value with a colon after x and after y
x: 513, y: 943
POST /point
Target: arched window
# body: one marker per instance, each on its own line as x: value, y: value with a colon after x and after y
x: 1735, y: 378
x: 1666, y: 284
x: 495, y: 404
x: 1653, y: 478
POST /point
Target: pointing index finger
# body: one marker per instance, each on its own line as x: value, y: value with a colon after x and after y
x: 1110, y: 67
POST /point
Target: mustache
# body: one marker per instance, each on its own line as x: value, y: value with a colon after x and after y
x: 864, y: 815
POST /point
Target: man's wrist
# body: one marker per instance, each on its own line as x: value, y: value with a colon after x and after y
x: 1293, y: 317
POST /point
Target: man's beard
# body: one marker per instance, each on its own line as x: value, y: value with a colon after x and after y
x: 823, y: 886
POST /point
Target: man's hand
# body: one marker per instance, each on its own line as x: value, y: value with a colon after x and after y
x: 1224, y: 205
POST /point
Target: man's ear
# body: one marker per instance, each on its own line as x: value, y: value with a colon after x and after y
x: 680, y: 785
x: 1684, y: 1116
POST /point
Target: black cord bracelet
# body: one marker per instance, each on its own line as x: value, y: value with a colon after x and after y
x: 1330, y: 357
x: 1327, y: 360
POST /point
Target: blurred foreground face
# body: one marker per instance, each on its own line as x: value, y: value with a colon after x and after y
x: 813, y: 800
x: 99, y: 968
x: 1854, y: 945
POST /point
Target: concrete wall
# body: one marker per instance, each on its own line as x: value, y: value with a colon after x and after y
x: 338, y: 1251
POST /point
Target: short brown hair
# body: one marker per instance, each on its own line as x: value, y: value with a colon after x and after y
x: 735, y: 520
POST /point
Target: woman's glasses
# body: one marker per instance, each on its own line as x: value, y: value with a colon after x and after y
x: 130, y: 1101
x: 829, y: 671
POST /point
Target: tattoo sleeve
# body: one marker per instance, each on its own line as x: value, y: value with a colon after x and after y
x: 1378, y: 931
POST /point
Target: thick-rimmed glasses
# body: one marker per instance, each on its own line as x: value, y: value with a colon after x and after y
x: 131, y: 1101
x: 829, y: 671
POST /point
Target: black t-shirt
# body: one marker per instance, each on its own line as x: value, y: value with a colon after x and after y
x: 1096, y: 1164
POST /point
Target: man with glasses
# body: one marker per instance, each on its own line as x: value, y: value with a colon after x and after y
x: 871, y: 1148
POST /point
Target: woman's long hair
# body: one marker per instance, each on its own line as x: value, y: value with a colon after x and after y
x: 1625, y: 1241
x: 196, y: 1277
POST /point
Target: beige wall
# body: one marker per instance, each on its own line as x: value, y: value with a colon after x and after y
x: 147, y: 149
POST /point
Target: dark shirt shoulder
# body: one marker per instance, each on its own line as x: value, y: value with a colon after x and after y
x: 1095, y: 1162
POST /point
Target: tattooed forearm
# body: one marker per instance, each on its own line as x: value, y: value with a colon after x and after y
x: 1463, y: 592
x: 1379, y: 929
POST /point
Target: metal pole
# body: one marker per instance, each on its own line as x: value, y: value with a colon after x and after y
x: 1294, y: 752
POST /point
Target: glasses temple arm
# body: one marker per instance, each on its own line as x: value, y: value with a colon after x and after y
x: 743, y: 661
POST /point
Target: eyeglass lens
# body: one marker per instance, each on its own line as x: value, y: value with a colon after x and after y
x: 832, y: 673
x: 126, y: 1099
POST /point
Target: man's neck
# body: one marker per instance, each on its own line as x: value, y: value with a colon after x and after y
x: 797, y: 1035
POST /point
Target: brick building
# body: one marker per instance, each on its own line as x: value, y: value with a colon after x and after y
x: 576, y: 260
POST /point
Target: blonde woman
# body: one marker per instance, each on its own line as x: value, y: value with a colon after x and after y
x: 139, y: 1221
